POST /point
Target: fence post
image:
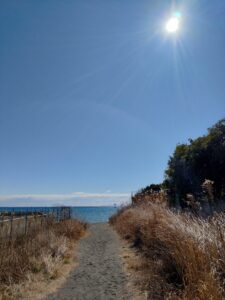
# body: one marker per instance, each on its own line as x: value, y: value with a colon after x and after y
x: 11, y: 225
x: 25, y: 220
x: 57, y: 214
x: 2, y: 223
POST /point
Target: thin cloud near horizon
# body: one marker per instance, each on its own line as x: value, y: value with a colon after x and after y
x: 71, y: 199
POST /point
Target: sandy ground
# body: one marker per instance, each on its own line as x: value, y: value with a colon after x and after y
x: 99, y: 274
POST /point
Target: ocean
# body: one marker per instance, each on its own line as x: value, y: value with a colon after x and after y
x: 90, y: 214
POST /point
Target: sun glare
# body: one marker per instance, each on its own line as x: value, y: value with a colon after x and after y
x: 173, y: 23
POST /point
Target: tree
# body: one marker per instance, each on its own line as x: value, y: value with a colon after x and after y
x: 192, y: 163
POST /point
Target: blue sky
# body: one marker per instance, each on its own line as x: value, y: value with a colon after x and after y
x: 95, y: 95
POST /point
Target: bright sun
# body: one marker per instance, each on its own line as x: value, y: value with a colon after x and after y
x: 173, y: 23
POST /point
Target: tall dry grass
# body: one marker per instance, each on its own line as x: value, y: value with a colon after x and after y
x: 185, y: 255
x: 42, y: 250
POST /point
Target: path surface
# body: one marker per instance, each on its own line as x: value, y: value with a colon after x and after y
x: 99, y: 275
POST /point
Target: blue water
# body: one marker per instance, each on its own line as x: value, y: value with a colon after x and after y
x: 89, y: 214
x: 94, y: 214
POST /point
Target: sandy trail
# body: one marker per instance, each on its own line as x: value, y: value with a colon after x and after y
x: 99, y: 274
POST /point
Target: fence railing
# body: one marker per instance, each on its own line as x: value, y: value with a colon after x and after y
x: 14, y: 222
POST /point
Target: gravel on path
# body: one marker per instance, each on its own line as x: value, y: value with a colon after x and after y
x: 99, y: 274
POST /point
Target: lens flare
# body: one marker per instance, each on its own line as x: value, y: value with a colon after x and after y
x: 173, y: 24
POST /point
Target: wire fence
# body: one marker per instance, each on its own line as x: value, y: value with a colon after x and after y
x: 15, y: 221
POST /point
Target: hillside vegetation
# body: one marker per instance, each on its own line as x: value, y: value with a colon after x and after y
x: 173, y: 227
x: 195, y: 173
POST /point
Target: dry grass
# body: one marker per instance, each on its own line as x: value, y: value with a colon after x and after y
x: 182, y: 257
x: 46, y: 246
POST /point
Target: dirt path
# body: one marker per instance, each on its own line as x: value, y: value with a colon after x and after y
x: 99, y: 274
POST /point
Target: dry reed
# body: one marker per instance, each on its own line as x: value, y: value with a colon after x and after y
x: 41, y: 250
x: 185, y: 254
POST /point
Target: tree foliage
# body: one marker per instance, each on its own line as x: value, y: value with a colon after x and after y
x: 151, y: 188
x: 192, y: 163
